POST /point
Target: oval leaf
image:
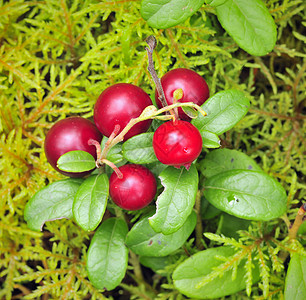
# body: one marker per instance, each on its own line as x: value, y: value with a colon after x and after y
x: 163, y: 14
x: 189, y: 274
x: 90, y: 201
x: 143, y: 240
x: 210, y: 139
x: 250, y: 24
x: 175, y: 203
x: 295, y: 287
x: 52, y: 202
x: 221, y: 160
x: 224, y: 110
x: 76, y: 161
x: 139, y: 149
x: 246, y: 194
x: 107, y: 255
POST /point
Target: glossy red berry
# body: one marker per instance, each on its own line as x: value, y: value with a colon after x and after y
x: 194, y: 86
x: 135, y: 190
x: 177, y: 143
x: 118, y: 104
x: 68, y: 135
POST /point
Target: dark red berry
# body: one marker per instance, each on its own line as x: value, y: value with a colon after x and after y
x: 118, y: 104
x: 68, y: 135
x: 135, y: 190
x: 177, y: 143
x: 195, y: 88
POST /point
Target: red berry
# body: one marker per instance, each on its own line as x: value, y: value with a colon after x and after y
x: 68, y: 135
x: 118, y: 104
x: 135, y: 190
x: 177, y: 143
x: 195, y: 88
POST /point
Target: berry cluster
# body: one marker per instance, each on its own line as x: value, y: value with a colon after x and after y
x: 119, y: 115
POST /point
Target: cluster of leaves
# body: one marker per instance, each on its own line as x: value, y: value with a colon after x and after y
x: 55, y: 59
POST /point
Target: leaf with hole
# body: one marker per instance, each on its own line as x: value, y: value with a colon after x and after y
x: 246, y: 194
x: 224, y: 110
x: 76, y: 161
x: 107, y: 256
x: 90, y: 201
x: 175, y: 203
x: 52, y: 202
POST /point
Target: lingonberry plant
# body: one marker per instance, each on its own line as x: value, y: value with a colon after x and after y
x: 167, y: 159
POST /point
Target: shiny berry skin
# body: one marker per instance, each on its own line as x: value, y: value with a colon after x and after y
x: 195, y: 88
x: 68, y: 135
x: 177, y: 143
x: 135, y: 190
x: 118, y: 104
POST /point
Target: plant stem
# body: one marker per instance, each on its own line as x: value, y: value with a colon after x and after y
x: 199, y: 225
x: 136, y: 266
x: 297, y: 222
x: 151, y: 41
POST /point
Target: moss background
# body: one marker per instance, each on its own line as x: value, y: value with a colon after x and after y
x: 56, y: 57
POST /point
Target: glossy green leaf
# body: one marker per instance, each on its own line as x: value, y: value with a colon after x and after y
x: 231, y: 225
x: 249, y: 23
x: 189, y: 274
x: 246, y: 194
x: 76, y: 161
x: 175, y: 203
x: 115, y: 153
x: 139, y: 149
x: 52, y: 202
x: 143, y: 240
x: 221, y: 160
x: 167, y: 13
x: 190, y: 112
x: 107, y: 255
x: 157, y: 264
x: 90, y: 201
x: 210, y: 139
x: 295, y: 286
x: 224, y: 110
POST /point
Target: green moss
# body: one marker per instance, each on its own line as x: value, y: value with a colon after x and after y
x: 56, y: 57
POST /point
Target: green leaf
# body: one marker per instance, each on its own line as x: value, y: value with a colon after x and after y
x: 249, y: 23
x: 52, y: 202
x: 246, y: 194
x: 295, y: 286
x: 76, y: 161
x: 143, y: 240
x: 190, y: 112
x: 224, y: 110
x: 175, y: 203
x: 90, y: 201
x: 163, y: 14
x: 192, y: 271
x: 158, y: 264
x: 210, y: 139
x: 115, y: 153
x: 107, y: 255
x: 221, y: 160
x: 139, y: 149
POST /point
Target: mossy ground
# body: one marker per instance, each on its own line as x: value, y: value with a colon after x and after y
x: 55, y: 59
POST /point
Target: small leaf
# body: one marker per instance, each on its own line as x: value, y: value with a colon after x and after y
x: 224, y: 110
x: 221, y: 160
x: 295, y: 287
x: 52, y: 202
x: 190, y: 112
x: 76, y: 161
x: 176, y: 202
x: 249, y: 23
x: 90, y: 201
x: 163, y: 14
x: 143, y: 240
x: 210, y: 139
x: 189, y: 274
x: 107, y: 255
x: 246, y: 194
x: 115, y: 153
x: 139, y: 149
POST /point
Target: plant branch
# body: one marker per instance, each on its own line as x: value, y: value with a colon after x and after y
x: 199, y: 226
x: 297, y: 222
